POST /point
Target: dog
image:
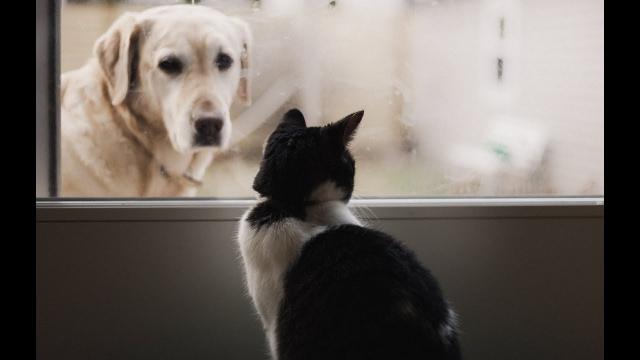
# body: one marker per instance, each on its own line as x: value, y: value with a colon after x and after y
x: 147, y: 113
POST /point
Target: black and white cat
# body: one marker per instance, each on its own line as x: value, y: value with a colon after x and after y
x: 326, y: 287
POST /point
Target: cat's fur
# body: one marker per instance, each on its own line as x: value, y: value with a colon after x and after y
x: 326, y: 287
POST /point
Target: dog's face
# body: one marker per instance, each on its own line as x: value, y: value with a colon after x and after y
x: 178, y: 68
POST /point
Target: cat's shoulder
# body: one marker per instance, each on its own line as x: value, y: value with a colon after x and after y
x: 358, y: 239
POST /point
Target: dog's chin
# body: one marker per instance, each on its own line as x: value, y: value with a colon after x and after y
x: 198, y: 148
x: 213, y: 146
x: 197, y: 144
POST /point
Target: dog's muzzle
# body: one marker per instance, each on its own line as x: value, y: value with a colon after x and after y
x: 208, y: 131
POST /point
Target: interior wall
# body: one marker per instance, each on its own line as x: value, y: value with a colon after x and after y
x: 525, y: 286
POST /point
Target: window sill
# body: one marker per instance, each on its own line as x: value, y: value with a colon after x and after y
x: 89, y: 210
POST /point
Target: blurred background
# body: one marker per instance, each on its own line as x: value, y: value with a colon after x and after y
x: 461, y: 97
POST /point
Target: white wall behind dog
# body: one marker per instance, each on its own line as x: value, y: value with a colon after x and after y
x: 553, y: 78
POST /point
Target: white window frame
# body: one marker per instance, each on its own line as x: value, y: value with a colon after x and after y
x: 47, y: 164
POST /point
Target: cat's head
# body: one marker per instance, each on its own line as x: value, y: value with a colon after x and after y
x: 302, y: 165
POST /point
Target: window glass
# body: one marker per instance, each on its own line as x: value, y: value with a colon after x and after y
x: 461, y: 97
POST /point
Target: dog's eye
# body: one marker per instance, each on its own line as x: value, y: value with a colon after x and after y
x: 223, y: 61
x: 170, y: 65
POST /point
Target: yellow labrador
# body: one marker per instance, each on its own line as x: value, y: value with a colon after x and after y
x: 145, y: 115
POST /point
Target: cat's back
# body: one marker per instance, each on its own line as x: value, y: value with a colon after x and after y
x: 357, y: 293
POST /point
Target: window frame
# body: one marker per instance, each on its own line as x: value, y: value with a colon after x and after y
x: 48, y: 160
x: 47, y: 97
x: 369, y: 210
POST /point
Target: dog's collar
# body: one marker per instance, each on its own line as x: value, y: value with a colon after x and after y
x: 180, y: 179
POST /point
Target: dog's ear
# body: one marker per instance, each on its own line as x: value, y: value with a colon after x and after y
x: 115, y: 50
x: 246, y: 42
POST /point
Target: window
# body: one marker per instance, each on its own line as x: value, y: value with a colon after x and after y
x: 461, y: 97
x: 481, y: 149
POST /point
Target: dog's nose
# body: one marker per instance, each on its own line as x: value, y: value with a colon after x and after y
x: 208, y: 131
x: 208, y: 125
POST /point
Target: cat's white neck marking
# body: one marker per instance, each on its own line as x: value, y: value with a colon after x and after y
x: 328, y: 213
x: 328, y: 208
x: 327, y: 191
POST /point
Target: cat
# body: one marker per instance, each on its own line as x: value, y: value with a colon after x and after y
x: 323, y: 285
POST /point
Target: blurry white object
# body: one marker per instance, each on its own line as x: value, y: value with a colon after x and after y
x: 511, y: 149
x: 519, y: 145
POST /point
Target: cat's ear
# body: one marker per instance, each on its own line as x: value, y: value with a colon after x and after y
x: 345, y: 129
x: 294, y: 117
